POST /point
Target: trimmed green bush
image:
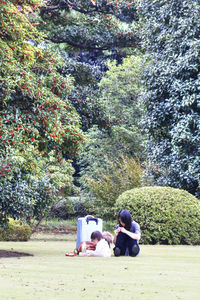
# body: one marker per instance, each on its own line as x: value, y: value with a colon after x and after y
x: 166, y: 215
x: 15, y: 232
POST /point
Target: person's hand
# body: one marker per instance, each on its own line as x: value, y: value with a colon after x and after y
x: 117, y: 231
x: 122, y: 229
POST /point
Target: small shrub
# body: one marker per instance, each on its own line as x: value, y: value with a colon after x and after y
x: 15, y: 232
x: 122, y: 174
x: 166, y: 215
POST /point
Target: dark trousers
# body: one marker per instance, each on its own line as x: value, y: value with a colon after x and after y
x: 125, y: 243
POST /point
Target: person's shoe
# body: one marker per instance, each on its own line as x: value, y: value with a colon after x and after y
x: 117, y: 251
x: 135, y: 250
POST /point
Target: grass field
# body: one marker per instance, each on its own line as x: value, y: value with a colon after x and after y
x: 159, y: 272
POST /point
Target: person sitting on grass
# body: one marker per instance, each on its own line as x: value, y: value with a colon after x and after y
x: 127, y: 235
x: 102, y: 246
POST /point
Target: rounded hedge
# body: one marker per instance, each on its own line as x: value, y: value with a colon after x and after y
x: 165, y: 215
x: 15, y: 231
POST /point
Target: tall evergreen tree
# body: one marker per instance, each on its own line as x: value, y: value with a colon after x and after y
x: 171, y: 38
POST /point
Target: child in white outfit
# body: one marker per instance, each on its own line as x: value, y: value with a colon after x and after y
x: 102, y: 246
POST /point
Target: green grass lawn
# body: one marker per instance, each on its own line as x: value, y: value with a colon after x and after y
x: 159, y: 272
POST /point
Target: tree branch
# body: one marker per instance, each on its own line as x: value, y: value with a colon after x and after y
x: 106, y: 46
x: 77, y: 45
x: 69, y: 4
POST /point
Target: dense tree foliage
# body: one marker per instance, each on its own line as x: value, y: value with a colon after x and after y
x: 108, y: 160
x: 34, y: 110
x: 88, y: 33
x: 95, y: 25
x: 119, y: 92
x: 121, y: 174
x: 171, y: 38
